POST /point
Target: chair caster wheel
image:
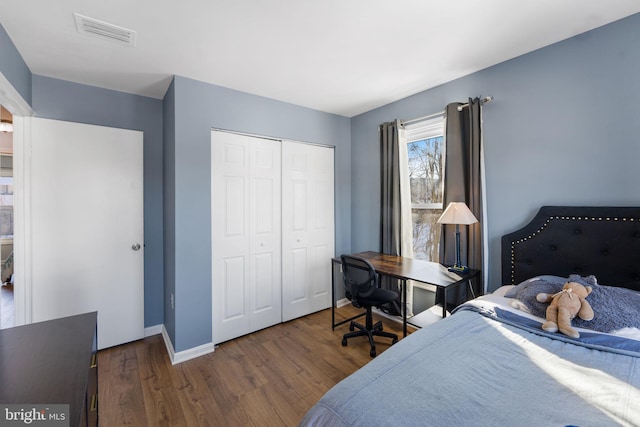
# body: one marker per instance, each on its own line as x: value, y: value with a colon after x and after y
x: 372, y: 353
x: 344, y: 342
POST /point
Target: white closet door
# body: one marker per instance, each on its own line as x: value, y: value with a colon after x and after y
x: 246, y: 234
x: 87, y: 243
x: 308, y: 228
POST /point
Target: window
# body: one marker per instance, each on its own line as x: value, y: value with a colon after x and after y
x: 425, y: 175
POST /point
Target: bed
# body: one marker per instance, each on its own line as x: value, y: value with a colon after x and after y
x: 490, y: 363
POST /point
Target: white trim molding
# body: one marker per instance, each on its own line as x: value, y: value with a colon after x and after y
x: 342, y: 302
x: 185, y: 355
x: 22, y: 219
x: 153, y: 330
x: 11, y: 99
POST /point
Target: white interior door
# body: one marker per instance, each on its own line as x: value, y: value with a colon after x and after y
x: 246, y: 234
x: 87, y: 242
x: 307, y: 228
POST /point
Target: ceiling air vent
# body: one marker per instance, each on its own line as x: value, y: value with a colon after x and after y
x: 104, y: 30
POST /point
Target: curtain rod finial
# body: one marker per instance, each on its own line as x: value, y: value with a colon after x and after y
x: 484, y: 100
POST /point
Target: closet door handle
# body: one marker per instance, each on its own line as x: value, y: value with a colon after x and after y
x: 136, y: 246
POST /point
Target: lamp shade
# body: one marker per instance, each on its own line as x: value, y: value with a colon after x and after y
x: 457, y: 213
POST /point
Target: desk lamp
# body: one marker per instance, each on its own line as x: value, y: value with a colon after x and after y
x: 457, y: 213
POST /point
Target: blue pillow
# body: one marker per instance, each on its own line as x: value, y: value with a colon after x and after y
x: 546, y: 281
x: 614, y: 308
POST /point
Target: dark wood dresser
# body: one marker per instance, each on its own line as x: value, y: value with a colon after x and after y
x: 53, y: 362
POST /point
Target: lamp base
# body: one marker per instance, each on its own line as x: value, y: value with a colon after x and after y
x: 458, y: 269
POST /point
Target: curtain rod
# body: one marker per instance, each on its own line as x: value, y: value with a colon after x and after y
x: 484, y: 100
x: 419, y: 119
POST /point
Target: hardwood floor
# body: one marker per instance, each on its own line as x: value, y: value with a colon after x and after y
x: 268, y: 378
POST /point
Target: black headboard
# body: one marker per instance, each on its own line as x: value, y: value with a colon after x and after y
x: 562, y: 240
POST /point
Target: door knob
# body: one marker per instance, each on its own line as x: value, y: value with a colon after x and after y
x: 136, y: 246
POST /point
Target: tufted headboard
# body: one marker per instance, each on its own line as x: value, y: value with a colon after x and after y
x: 562, y: 240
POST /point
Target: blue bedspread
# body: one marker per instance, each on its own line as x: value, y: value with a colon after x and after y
x: 484, y: 367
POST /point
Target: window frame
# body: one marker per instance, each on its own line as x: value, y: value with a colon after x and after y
x: 432, y: 127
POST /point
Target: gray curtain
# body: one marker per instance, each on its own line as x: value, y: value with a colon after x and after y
x: 463, y: 184
x: 390, y: 214
x: 390, y: 217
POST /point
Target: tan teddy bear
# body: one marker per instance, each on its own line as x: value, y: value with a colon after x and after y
x: 565, y: 305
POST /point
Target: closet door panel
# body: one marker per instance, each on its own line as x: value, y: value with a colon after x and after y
x: 264, y: 280
x: 320, y: 275
x: 299, y: 206
x: 308, y: 228
x: 297, y: 265
x: 230, y: 201
x: 266, y: 232
x: 246, y: 246
x: 234, y: 288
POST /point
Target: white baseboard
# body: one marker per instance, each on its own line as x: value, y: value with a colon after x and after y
x: 342, y: 302
x: 185, y: 355
x: 153, y: 330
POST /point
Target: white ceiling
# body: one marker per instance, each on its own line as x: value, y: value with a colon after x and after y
x: 339, y: 56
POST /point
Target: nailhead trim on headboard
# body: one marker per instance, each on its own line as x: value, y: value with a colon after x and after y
x: 593, y: 236
x: 546, y: 223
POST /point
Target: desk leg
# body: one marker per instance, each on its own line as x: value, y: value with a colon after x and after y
x: 404, y: 308
x: 444, y: 302
x: 333, y: 299
x: 471, y: 288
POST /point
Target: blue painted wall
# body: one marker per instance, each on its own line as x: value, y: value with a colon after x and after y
x: 199, y: 107
x: 13, y: 67
x: 169, y: 201
x: 62, y: 100
x: 563, y: 129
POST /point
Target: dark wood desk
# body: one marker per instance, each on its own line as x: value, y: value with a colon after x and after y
x: 52, y: 362
x: 405, y: 269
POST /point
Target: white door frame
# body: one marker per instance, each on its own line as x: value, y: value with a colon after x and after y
x: 11, y: 99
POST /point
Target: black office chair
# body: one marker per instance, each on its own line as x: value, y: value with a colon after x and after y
x: 361, y: 285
